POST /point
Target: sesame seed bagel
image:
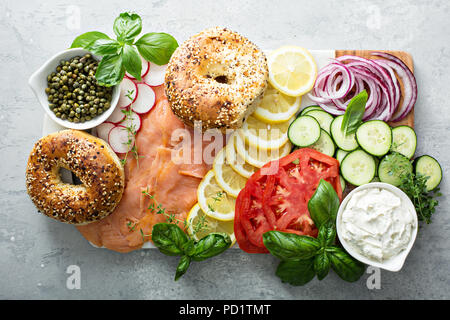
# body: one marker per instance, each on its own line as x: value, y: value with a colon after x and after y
x: 91, y: 160
x: 215, y: 77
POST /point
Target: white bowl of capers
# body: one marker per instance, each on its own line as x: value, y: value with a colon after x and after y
x: 67, y: 90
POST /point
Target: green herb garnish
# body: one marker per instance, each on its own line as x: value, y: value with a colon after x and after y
x: 122, y: 54
x: 425, y: 203
x: 354, y: 113
x: 172, y: 241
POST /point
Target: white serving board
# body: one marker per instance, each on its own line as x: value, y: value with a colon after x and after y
x: 322, y: 58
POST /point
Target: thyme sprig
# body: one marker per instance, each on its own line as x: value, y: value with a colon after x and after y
x: 415, y: 186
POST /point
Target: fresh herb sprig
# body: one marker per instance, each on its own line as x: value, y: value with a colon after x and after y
x: 131, y: 131
x: 171, y: 240
x: 304, y: 257
x: 354, y: 113
x: 425, y: 202
x: 122, y: 54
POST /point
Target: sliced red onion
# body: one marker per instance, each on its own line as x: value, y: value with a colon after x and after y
x: 409, y: 84
x: 346, y: 76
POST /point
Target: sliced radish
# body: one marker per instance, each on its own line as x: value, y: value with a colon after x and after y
x: 144, y: 71
x: 128, y: 89
x: 116, y: 116
x: 155, y: 75
x: 120, y: 140
x: 133, y: 121
x: 104, y: 129
x: 145, y: 100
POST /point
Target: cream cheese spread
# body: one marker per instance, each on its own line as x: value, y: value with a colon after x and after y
x: 377, y: 224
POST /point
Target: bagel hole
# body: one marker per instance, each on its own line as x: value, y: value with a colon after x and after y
x: 69, y: 177
x: 221, y: 79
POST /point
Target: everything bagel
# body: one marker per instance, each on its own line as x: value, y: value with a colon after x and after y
x: 91, y: 160
x: 216, y: 77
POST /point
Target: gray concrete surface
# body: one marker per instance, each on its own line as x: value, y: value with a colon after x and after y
x: 36, y: 251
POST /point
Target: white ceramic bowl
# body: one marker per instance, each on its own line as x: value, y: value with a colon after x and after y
x: 394, y: 263
x: 38, y: 82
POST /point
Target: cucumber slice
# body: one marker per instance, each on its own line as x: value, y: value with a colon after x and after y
x: 304, y: 131
x: 428, y: 166
x: 404, y: 141
x: 375, y: 137
x: 343, y: 184
x: 345, y: 142
x: 309, y: 108
x: 324, y: 118
x: 340, y: 155
x: 358, y: 167
x: 393, y: 167
x: 325, y: 144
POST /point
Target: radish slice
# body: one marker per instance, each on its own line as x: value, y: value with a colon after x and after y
x: 128, y: 89
x: 104, y: 129
x: 144, y: 70
x: 132, y: 121
x: 145, y: 100
x: 156, y: 75
x: 116, y: 116
x: 120, y: 140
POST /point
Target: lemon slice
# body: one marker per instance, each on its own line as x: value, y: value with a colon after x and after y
x: 276, y: 107
x: 213, y: 200
x: 228, y: 179
x: 237, y: 162
x: 263, y: 135
x: 292, y: 70
x: 259, y: 157
x: 200, y: 225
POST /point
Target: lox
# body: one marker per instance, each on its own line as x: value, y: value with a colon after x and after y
x: 279, y: 201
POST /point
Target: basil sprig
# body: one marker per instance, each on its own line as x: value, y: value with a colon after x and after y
x: 172, y: 241
x: 304, y: 257
x: 354, y: 113
x: 122, y: 54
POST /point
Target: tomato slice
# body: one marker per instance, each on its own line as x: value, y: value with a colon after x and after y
x: 279, y: 200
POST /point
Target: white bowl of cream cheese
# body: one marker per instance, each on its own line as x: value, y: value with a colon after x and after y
x: 377, y: 224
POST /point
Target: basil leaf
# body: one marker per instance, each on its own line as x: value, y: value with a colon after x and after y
x: 354, y: 113
x: 189, y: 247
x: 104, y: 47
x: 327, y: 233
x: 84, y: 40
x: 132, y: 61
x: 156, y: 47
x: 290, y: 246
x: 296, y: 273
x: 210, y: 246
x: 346, y: 267
x: 127, y: 26
x: 322, y: 265
x: 324, y: 204
x: 110, y: 70
x: 169, y: 238
x: 183, y: 265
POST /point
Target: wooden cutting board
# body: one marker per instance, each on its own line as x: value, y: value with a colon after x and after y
x: 405, y: 57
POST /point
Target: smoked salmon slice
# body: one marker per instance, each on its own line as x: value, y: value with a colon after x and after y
x: 163, y: 173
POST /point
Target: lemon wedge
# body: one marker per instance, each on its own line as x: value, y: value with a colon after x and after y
x: 292, y: 70
x: 228, y: 179
x: 236, y: 162
x: 276, y: 107
x: 213, y: 200
x: 200, y: 225
x: 259, y: 157
x: 263, y: 135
